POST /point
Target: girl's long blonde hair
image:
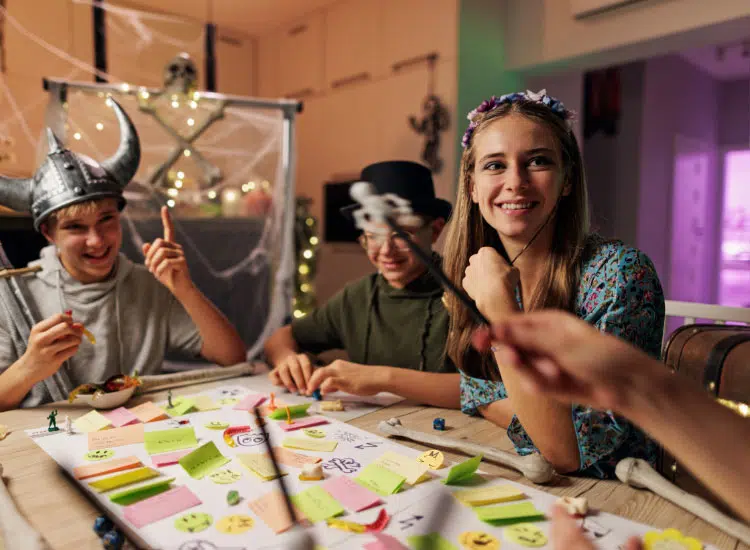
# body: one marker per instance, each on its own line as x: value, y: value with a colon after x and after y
x: 468, y: 232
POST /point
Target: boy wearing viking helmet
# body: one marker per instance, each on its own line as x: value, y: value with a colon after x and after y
x: 137, y: 313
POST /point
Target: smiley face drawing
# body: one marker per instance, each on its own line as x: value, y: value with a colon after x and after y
x: 228, y: 401
x: 526, y: 534
x: 100, y: 454
x: 235, y: 524
x: 432, y: 459
x: 314, y: 432
x: 217, y: 425
x: 476, y: 540
x: 193, y: 523
x: 225, y: 477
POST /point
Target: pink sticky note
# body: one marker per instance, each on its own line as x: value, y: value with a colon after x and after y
x: 249, y: 402
x: 351, y: 494
x: 161, y: 506
x: 303, y: 423
x: 168, y: 459
x: 121, y: 417
x: 384, y: 542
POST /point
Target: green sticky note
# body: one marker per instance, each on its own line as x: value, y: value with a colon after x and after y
x: 203, y: 460
x: 165, y: 441
x: 433, y: 541
x: 378, y: 479
x: 294, y: 411
x: 119, y: 480
x: 463, y: 472
x: 129, y: 496
x: 316, y: 504
x: 509, y: 513
x: 182, y: 405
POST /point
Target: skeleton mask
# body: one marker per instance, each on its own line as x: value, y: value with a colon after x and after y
x: 180, y: 75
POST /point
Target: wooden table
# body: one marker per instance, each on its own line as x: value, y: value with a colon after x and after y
x: 65, y: 517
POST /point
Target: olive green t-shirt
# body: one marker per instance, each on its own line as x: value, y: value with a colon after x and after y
x: 377, y: 324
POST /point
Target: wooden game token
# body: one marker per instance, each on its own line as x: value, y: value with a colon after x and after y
x: 217, y: 425
x: 194, y: 522
x: 100, y: 454
x: 525, y: 534
x: 314, y: 432
x: 670, y: 539
x: 224, y: 477
x: 432, y: 459
x: 476, y: 540
x: 235, y: 524
x: 311, y: 472
x: 331, y: 405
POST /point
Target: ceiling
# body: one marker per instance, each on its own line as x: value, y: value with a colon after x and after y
x: 728, y: 62
x: 248, y: 16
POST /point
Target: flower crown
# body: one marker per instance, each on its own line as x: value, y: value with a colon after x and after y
x: 494, y: 102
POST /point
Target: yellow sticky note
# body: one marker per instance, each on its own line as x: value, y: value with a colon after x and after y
x: 165, y: 441
x: 182, y: 405
x: 308, y: 444
x: 142, y: 492
x: 149, y: 412
x: 378, y: 479
x: 204, y: 403
x: 316, y: 504
x: 259, y: 464
x: 489, y: 495
x: 132, y: 476
x: 116, y: 437
x: 92, y: 422
x: 402, y: 465
x: 203, y: 460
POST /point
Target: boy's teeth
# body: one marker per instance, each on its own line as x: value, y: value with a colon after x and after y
x: 519, y: 206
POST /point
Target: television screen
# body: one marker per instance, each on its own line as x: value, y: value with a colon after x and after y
x: 338, y: 229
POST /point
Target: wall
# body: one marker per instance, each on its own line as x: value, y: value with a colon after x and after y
x: 734, y: 114
x: 543, y: 32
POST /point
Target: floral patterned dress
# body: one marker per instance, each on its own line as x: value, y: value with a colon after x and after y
x: 620, y: 294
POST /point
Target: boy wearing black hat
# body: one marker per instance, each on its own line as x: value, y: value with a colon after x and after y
x: 132, y: 314
x: 392, y: 323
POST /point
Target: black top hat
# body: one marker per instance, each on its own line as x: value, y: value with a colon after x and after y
x: 408, y: 180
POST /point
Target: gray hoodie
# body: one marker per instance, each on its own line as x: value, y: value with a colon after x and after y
x: 134, y: 318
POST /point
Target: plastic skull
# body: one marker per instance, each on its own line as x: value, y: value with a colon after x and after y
x: 180, y: 74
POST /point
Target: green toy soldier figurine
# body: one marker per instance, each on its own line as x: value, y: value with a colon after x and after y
x: 52, y: 421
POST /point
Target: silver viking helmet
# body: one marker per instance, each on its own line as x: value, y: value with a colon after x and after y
x: 66, y: 178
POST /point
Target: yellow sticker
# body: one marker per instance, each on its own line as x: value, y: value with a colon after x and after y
x: 229, y: 401
x: 432, y: 459
x: 217, y: 425
x: 670, y: 539
x: 476, y: 540
x: 314, y: 432
x: 224, y: 477
x: 100, y: 454
x: 525, y: 534
x: 193, y: 523
x: 235, y: 525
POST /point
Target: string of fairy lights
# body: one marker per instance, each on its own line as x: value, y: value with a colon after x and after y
x: 306, y: 242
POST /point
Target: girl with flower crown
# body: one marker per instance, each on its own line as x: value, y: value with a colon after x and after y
x: 519, y: 240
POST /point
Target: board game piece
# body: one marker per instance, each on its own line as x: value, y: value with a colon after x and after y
x: 317, y: 395
x: 438, y: 424
x: 52, y: 422
x: 311, y: 472
x: 233, y: 498
x: 574, y: 506
x: 336, y: 405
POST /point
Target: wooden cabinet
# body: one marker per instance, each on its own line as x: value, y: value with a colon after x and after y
x: 413, y: 29
x: 301, y: 55
x: 268, y: 66
x: 234, y: 63
x: 351, y: 42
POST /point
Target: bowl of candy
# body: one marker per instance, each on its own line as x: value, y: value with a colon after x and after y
x: 112, y: 393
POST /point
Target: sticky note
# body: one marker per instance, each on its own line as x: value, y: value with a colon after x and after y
x: 249, y: 402
x: 384, y: 542
x: 402, y: 465
x: 303, y: 423
x: 92, y: 422
x: 121, y: 417
x: 160, y: 506
x: 167, y: 459
x: 130, y: 496
x: 109, y: 467
x: 164, y: 441
x: 116, y: 437
x: 378, y: 479
x: 294, y: 410
x: 203, y: 460
x: 433, y: 541
x: 307, y: 444
x: 463, y: 472
x: 509, y: 513
x: 259, y: 464
x: 272, y: 509
x: 120, y: 480
x: 316, y: 504
x: 148, y: 412
x: 489, y: 495
x: 204, y: 403
x: 352, y: 495
x: 182, y: 405
x: 295, y: 460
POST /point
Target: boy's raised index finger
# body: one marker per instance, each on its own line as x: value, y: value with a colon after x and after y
x: 166, y: 221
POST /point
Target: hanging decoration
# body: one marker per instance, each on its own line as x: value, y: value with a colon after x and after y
x: 435, y: 119
x: 306, y: 242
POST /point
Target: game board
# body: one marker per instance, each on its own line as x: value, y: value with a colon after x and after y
x: 425, y: 508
